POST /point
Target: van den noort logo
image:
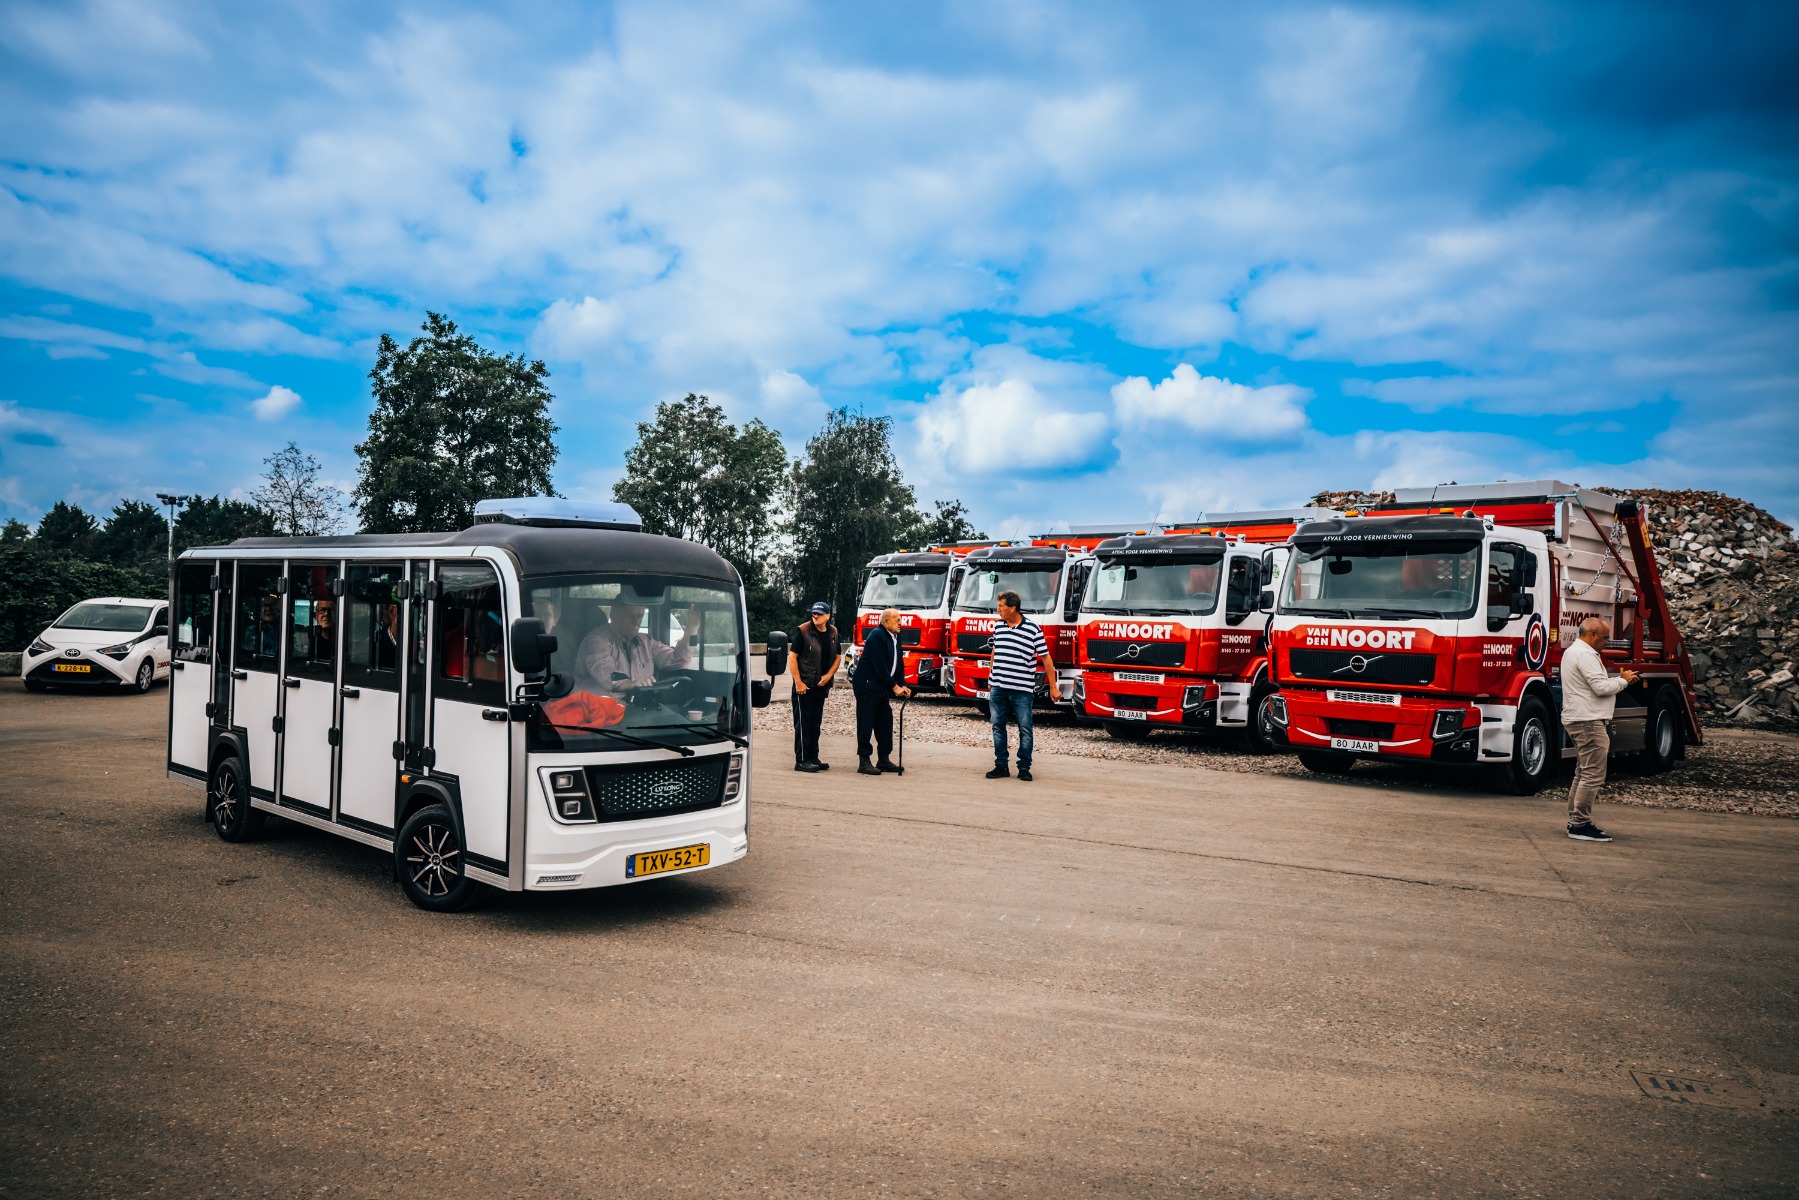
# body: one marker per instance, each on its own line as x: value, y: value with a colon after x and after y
x: 1134, y: 629
x: 979, y: 624
x: 1357, y: 639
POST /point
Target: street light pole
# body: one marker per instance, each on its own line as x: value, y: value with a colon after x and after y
x: 171, y: 502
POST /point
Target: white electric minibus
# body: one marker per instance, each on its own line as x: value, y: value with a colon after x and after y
x: 550, y: 699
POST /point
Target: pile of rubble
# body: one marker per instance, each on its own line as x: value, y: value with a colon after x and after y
x: 1732, y: 576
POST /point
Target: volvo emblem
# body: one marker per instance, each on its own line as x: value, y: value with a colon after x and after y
x: 665, y: 789
x: 1357, y: 663
x: 1133, y: 650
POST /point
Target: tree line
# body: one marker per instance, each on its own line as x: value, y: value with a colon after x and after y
x: 453, y: 424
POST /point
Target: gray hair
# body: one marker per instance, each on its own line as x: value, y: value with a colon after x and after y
x: 1595, y: 625
x: 889, y: 612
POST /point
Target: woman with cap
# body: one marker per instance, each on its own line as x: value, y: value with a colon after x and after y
x: 813, y: 662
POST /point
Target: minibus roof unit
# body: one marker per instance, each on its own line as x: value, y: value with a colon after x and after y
x: 555, y: 512
x: 535, y: 549
x: 1154, y: 546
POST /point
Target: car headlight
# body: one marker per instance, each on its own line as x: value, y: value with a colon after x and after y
x: 118, y: 651
x: 40, y: 646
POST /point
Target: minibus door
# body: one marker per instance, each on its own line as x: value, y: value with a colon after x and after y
x: 256, y: 668
x: 373, y: 655
x: 470, y: 734
x: 308, y: 735
x: 190, y: 668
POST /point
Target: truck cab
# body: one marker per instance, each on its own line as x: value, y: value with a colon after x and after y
x: 1430, y: 629
x: 1049, y: 581
x: 921, y: 585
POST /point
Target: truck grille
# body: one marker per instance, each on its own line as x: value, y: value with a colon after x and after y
x: 629, y: 791
x: 1137, y: 654
x: 1338, y: 666
x: 909, y: 637
x: 1379, y: 731
x: 974, y: 643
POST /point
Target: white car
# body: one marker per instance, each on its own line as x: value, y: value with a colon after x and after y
x: 111, y: 641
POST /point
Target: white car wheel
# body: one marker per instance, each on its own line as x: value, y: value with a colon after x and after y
x: 146, y: 674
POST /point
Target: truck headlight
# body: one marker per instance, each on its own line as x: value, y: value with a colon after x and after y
x: 1277, y: 709
x: 1194, y: 696
x: 1448, y: 722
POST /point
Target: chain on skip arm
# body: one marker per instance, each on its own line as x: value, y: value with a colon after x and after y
x: 1612, y: 535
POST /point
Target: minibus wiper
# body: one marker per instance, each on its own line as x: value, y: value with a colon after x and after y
x: 683, y: 751
x: 712, y: 729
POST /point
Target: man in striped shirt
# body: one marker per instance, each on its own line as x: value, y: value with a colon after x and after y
x: 1018, y: 646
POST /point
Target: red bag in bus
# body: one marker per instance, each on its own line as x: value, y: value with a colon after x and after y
x: 584, y: 709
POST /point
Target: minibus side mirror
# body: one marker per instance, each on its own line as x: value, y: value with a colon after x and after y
x: 777, y: 656
x: 762, y: 691
x: 1265, y: 601
x: 531, y: 646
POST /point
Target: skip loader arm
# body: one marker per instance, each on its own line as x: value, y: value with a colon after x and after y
x: 1654, y: 613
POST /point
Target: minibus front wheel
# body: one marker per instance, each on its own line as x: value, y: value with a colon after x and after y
x: 429, y: 856
x: 232, y: 817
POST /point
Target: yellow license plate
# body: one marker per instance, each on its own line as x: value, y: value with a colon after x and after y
x: 658, y: 861
x: 73, y: 668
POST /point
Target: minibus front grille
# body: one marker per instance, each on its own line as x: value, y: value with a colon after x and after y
x: 632, y: 791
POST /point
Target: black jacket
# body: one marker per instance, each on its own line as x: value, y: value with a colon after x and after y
x: 880, y: 669
x: 815, y: 651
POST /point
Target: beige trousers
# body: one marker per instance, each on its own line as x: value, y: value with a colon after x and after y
x: 1593, y: 739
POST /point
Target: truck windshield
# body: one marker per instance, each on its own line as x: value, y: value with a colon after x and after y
x: 105, y: 618
x: 657, y: 657
x: 1411, y: 578
x: 1163, y: 587
x: 1036, y: 587
x: 911, y: 588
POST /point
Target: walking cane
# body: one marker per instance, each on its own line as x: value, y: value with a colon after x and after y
x: 904, y: 700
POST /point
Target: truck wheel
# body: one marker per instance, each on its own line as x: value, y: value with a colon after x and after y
x: 1533, y: 746
x: 232, y: 817
x: 428, y: 854
x: 1321, y: 762
x: 1662, y: 733
x: 1127, y: 731
x: 1258, y: 737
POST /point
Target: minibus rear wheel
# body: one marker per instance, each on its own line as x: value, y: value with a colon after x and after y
x: 429, y: 856
x: 232, y: 817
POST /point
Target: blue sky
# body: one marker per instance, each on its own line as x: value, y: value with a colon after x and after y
x: 1098, y: 262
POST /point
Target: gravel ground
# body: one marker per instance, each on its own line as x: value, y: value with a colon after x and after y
x: 1736, y: 771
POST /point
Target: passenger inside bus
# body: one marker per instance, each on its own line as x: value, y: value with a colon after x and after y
x: 618, y: 656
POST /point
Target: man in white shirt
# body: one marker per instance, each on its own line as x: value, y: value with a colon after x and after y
x: 616, y: 657
x: 1588, y: 694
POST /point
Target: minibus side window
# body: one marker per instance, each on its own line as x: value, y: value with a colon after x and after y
x: 372, y: 633
x: 470, y: 662
x: 258, y: 616
x: 190, y: 640
x: 312, y: 621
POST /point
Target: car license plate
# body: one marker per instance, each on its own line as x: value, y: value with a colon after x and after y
x: 1136, y: 677
x: 73, y: 668
x: 1343, y: 697
x: 658, y: 861
x: 1130, y: 714
x: 1359, y: 745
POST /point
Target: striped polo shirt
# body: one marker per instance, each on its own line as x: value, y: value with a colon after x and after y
x: 1016, y: 651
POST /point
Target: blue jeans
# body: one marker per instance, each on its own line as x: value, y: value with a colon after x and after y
x: 1000, y: 702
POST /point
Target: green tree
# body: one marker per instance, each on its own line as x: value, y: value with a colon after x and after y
x: 847, y: 503
x: 949, y: 523
x: 453, y: 424
x: 692, y: 474
x: 39, y: 580
x: 214, y: 521
x: 65, y: 529
x: 294, y: 497
x: 136, y: 536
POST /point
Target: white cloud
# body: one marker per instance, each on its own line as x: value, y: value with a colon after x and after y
x: 1009, y: 427
x: 1210, y: 405
x: 277, y: 404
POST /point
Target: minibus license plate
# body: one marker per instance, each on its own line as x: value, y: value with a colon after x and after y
x: 658, y: 861
x: 1360, y: 745
x: 1130, y: 714
x: 73, y: 668
x: 1136, y: 677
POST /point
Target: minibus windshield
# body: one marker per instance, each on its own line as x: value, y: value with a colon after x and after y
x: 1036, y: 587
x: 657, y: 657
x: 1158, y: 587
x: 911, y: 587
x: 106, y: 618
x: 1426, y: 577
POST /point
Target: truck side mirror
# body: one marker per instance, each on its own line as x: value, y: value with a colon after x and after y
x: 777, y: 655
x: 1265, y: 601
x: 531, y: 646
x: 1528, y: 574
x: 762, y: 691
x: 1523, y: 603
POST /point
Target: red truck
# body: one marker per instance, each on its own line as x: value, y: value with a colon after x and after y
x: 1172, y: 633
x: 1048, y: 580
x: 922, y: 585
x: 1430, y: 629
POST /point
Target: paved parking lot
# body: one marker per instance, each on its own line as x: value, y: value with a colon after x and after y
x: 1125, y: 979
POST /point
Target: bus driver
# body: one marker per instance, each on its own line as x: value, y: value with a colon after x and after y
x: 616, y: 657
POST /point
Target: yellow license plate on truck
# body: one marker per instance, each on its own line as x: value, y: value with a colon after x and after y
x: 658, y: 861
x: 72, y: 668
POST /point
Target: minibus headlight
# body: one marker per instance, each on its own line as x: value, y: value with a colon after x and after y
x: 734, y: 779
x: 1448, y: 722
x: 570, y: 801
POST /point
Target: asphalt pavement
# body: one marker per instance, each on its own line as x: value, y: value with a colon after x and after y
x: 1122, y: 979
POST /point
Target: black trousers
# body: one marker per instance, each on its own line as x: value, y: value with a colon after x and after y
x: 808, y: 715
x: 874, y: 716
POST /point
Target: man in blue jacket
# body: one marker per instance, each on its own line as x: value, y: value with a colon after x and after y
x: 879, y: 676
